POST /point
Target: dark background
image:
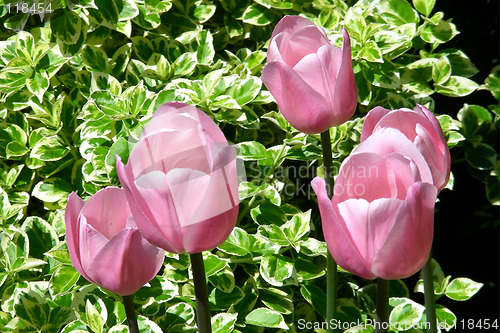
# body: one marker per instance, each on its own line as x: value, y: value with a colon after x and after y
x: 467, y: 237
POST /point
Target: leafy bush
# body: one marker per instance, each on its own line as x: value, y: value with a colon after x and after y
x: 77, y: 83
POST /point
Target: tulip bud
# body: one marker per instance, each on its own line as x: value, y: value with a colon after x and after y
x: 181, y: 181
x: 379, y: 222
x: 105, y: 245
x: 311, y: 80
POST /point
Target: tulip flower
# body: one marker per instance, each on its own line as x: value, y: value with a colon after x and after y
x: 181, y: 181
x: 423, y: 129
x: 104, y: 244
x: 311, y: 80
x: 379, y: 222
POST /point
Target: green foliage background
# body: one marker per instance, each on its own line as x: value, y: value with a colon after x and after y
x: 77, y: 83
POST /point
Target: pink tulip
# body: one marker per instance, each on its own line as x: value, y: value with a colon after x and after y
x: 105, y: 245
x: 379, y: 222
x: 311, y: 80
x: 423, y: 129
x: 181, y: 181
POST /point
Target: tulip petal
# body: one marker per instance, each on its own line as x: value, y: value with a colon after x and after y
x: 369, y: 223
x: 370, y: 176
x: 168, y: 150
x: 212, y: 133
x: 371, y: 120
x: 209, y: 233
x: 305, y: 108
x: 92, y: 241
x: 409, y: 242
x: 107, y: 211
x: 338, y: 239
x: 320, y: 70
x: 198, y: 196
x: 126, y: 263
x: 389, y: 140
x: 143, y: 216
x: 346, y: 93
x: 290, y: 24
x: 161, y: 226
x: 72, y: 222
x: 307, y: 40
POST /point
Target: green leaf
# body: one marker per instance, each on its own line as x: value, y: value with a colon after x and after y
x: 296, y: 228
x: 38, y: 84
x: 205, y: 51
x: 461, y: 289
x: 257, y: 15
x: 51, y: 190
x: 406, y: 312
x: 67, y: 27
x: 180, y: 313
x: 397, y: 12
x: 238, y: 243
x: 457, y: 86
x: 276, y: 300
x: 482, y: 156
x: 204, y: 11
x: 223, y: 322
x: 252, y: 151
x: 267, y: 213
x: 95, y: 58
x: 94, y: 319
x: 213, y: 264
x: 108, y: 11
x: 245, y: 91
x: 50, y: 148
x: 446, y: 319
x: 265, y: 317
x: 278, y: 270
x: 185, y: 64
x: 424, y: 6
x: 316, y: 297
x: 440, y: 33
x: 41, y: 234
x: 63, y: 279
x: 441, y: 70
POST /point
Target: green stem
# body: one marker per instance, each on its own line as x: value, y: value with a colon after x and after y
x: 382, y: 314
x: 430, y: 305
x: 331, y: 271
x: 130, y: 312
x: 201, y: 293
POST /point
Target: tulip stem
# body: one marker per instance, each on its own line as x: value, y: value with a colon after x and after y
x: 430, y: 305
x: 130, y: 312
x: 201, y: 293
x: 331, y: 265
x: 382, y: 314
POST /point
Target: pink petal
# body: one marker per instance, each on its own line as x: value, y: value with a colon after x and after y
x: 320, y: 70
x: 370, y: 176
x: 337, y: 236
x: 107, y: 211
x: 159, y: 221
x: 210, y: 233
x: 371, y: 120
x: 346, y: 94
x: 290, y: 24
x: 369, y: 223
x: 389, y: 140
x: 167, y: 150
x: 72, y: 222
x: 304, y: 41
x: 211, y: 132
x: 91, y: 242
x: 126, y: 263
x: 409, y: 242
x: 143, y: 216
x: 198, y: 196
x: 305, y: 108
